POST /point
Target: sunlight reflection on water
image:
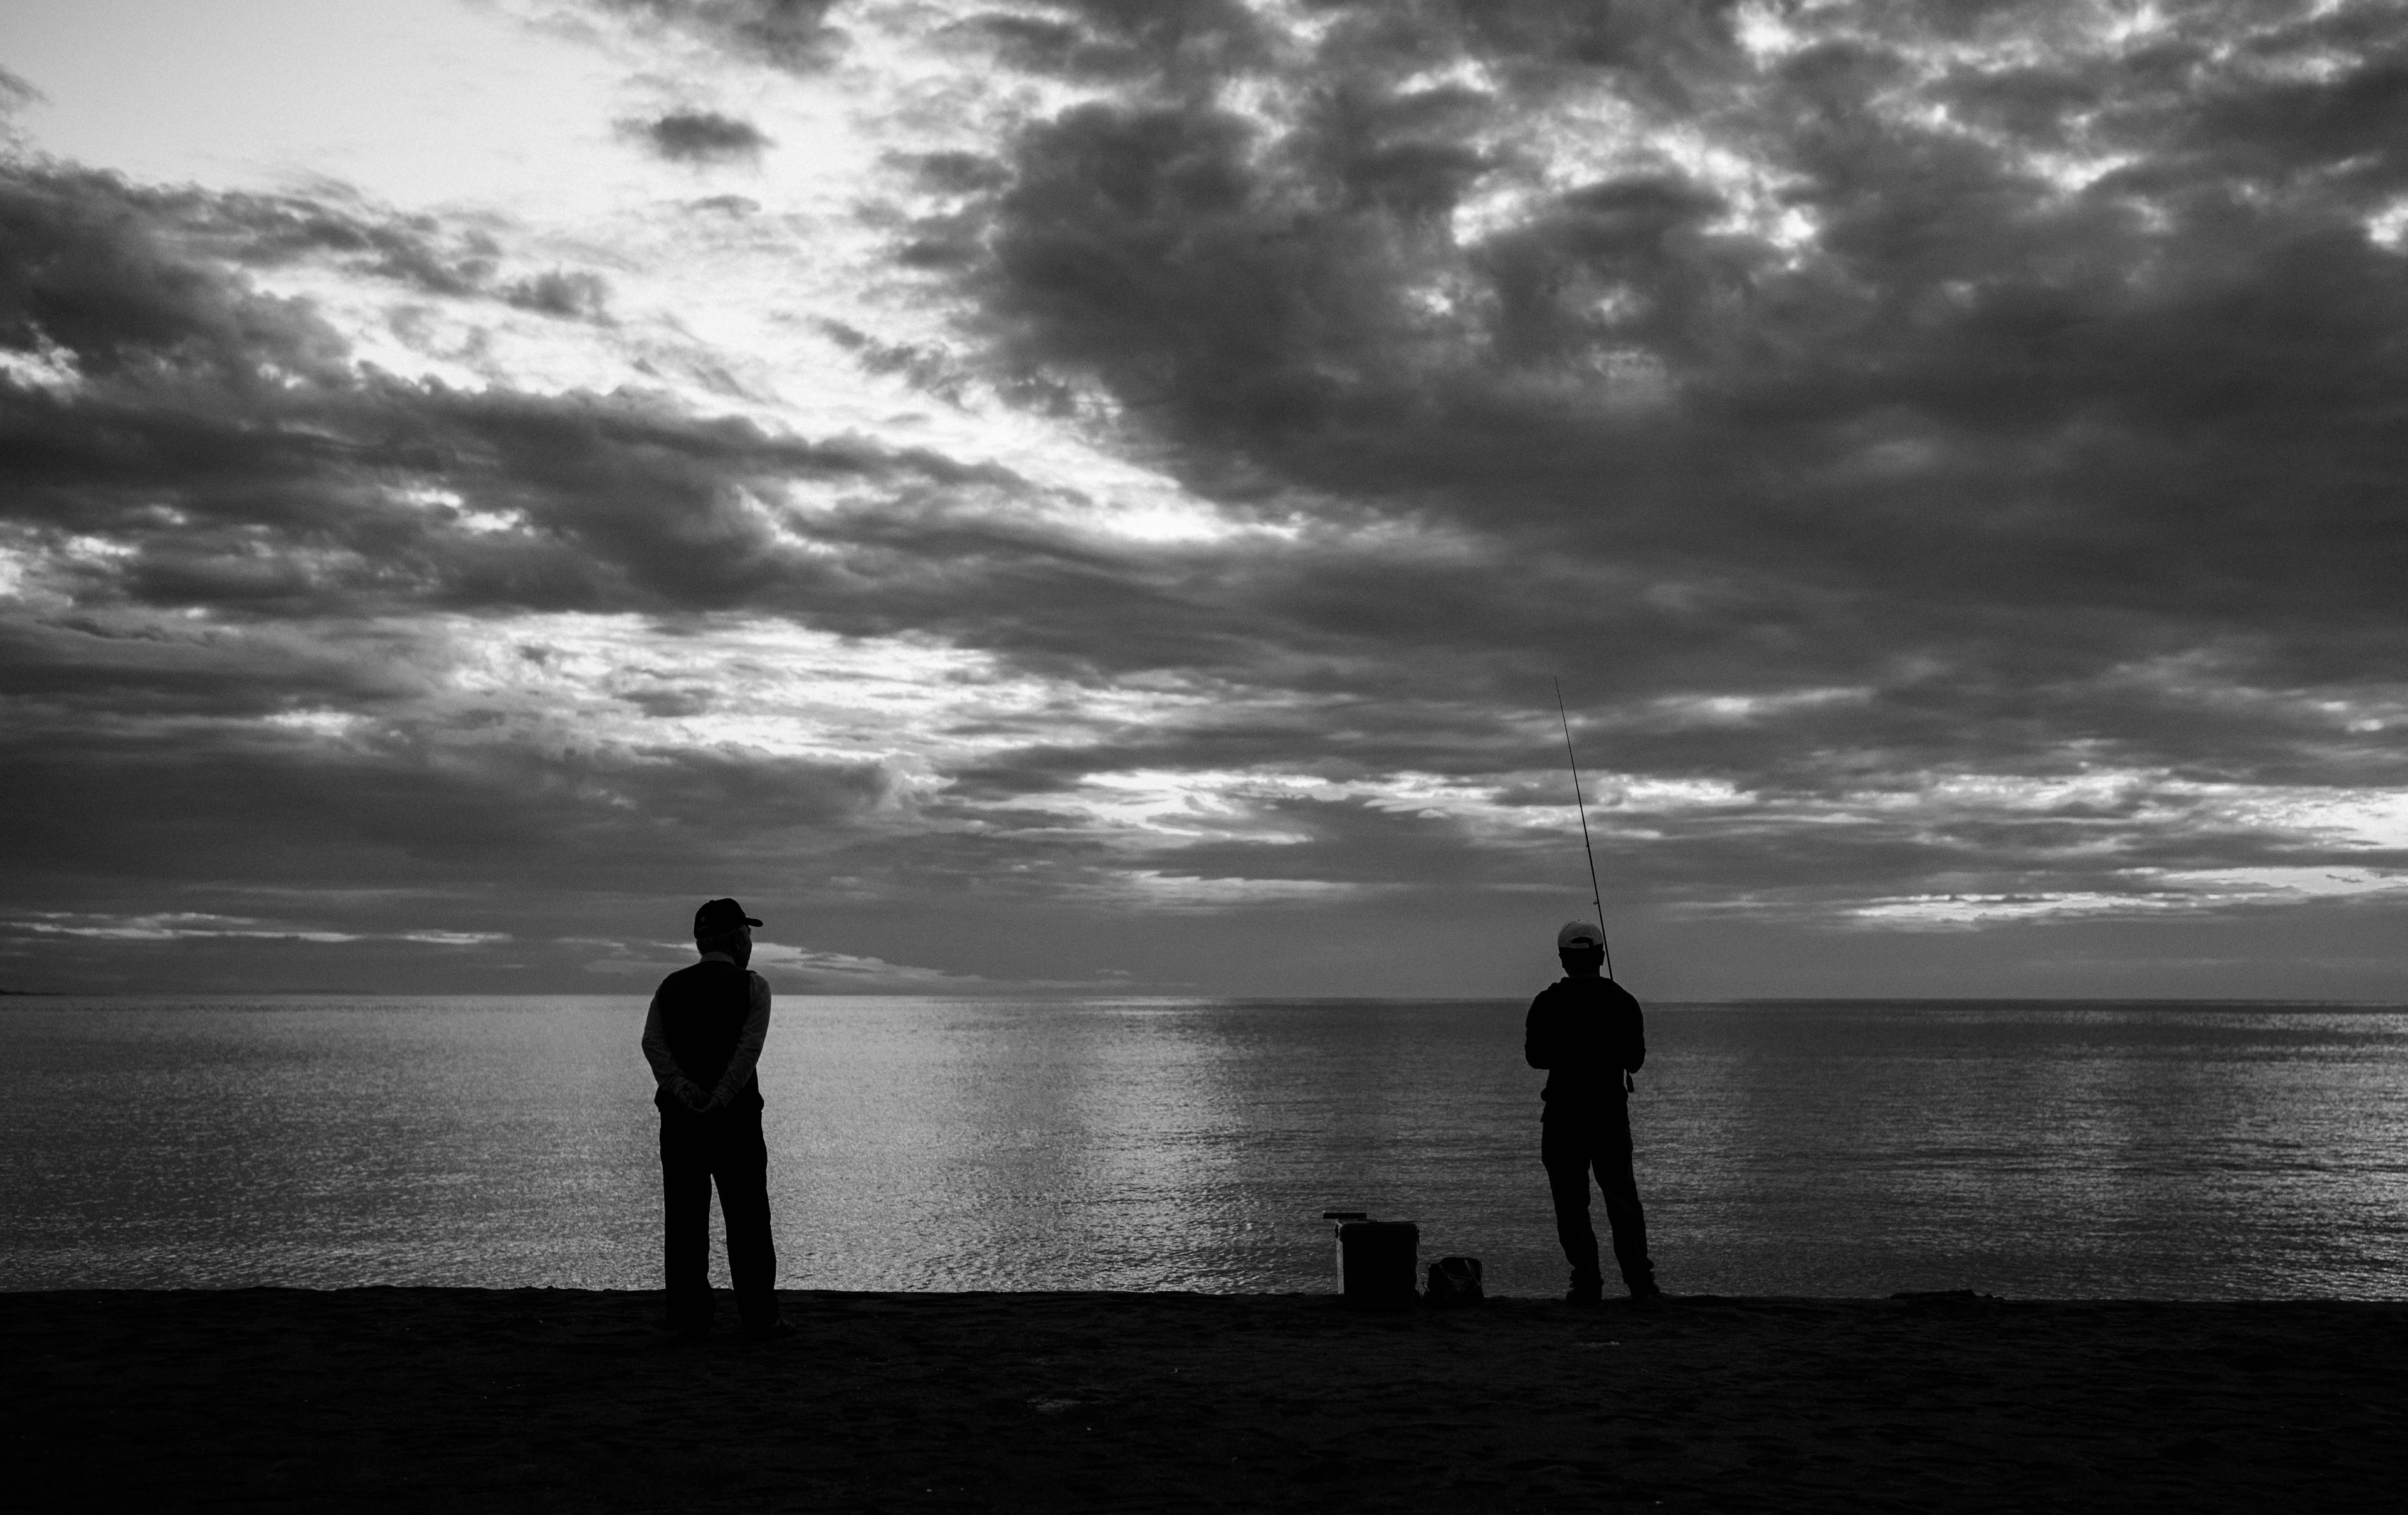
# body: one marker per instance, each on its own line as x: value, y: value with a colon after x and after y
x: 1826, y: 1148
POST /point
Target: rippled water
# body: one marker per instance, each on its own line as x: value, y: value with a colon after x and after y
x: 2189, y: 1150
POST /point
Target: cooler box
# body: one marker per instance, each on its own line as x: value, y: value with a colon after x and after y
x: 1379, y: 1262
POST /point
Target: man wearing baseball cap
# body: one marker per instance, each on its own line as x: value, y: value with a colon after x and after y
x: 1586, y: 1031
x: 703, y: 1036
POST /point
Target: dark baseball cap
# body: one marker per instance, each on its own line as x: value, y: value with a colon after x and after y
x: 719, y: 916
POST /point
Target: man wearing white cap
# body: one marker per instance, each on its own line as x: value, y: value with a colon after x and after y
x: 703, y: 1036
x: 1588, y: 1033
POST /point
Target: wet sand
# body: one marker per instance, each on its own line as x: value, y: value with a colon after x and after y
x: 548, y: 1399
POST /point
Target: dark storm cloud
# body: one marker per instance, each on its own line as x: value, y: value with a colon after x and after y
x: 217, y: 669
x: 2033, y: 432
x: 2057, y: 431
x: 470, y: 842
x: 1940, y: 398
x: 1250, y: 309
x: 221, y: 525
x: 1965, y: 322
x: 79, y: 271
x: 700, y: 137
x: 1184, y: 42
x: 218, y: 439
x: 233, y: 807
x: 60, y: 216
x: 232, y: 461
x: 205, y: 761
x: 222, y: 445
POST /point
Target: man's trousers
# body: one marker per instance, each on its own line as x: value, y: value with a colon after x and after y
x: 724, y: 1147
x: 1572, y: 1143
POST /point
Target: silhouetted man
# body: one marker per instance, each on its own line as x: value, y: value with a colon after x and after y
x: 703, y: 1036
x: 1586, y: 1031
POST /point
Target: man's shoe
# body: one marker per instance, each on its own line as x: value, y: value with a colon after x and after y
x: 774, y: 1331
x: 1586, y: 1294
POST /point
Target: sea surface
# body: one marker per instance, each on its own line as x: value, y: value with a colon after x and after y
x: 2069, y: 1150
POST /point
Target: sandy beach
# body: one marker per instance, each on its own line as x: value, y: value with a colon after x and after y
x: 542, y: 1399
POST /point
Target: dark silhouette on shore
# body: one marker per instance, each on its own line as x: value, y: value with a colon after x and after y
x: 703, y: 1036
x: 1588, y: 1033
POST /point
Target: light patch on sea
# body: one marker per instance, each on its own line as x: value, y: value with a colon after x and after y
x: 2089, y: 1149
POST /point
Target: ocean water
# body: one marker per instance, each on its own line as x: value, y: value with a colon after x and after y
x: 1844, y: 1148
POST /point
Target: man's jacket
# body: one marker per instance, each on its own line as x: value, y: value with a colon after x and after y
x: 1585, y: 1033
x: 708, y: 1023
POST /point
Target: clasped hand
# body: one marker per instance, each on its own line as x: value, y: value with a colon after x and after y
x: 694, y: 1097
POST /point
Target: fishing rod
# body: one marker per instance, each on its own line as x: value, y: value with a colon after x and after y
x: 1595, y: 895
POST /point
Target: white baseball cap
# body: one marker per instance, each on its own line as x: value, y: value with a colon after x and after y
x: 1579, y: 934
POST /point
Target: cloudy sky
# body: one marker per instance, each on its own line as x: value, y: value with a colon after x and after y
x: 1097, y: 494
